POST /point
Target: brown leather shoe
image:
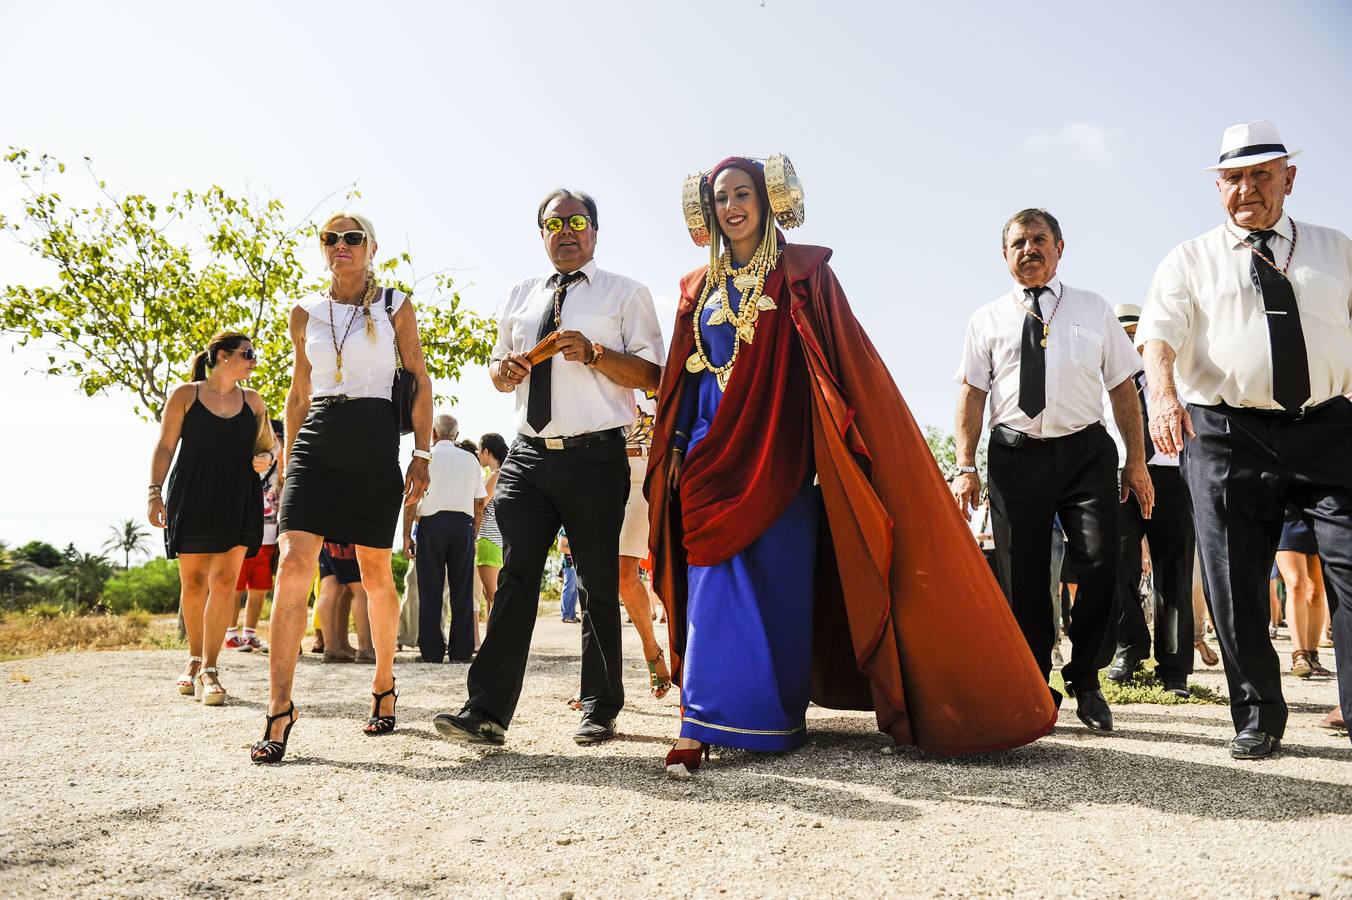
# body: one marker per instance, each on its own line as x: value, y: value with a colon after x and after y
x: 1300, y: 664
x: 1317, y: 668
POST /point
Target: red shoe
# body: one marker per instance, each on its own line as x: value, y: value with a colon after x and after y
x: 684, y: 763
x: 234, y: 643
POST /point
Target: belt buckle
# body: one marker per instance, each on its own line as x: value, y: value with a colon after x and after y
x: 554, y: 443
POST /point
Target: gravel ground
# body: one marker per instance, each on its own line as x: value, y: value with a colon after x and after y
x: 115, y: 786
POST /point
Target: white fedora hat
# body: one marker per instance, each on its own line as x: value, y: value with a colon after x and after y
x: 1250, y: 144
x: 1127, y: 313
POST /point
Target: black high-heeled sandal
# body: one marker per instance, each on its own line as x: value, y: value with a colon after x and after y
x: 380, y: 724
x: 268, y: 751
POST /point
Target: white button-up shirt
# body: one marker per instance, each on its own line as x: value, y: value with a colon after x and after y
x: 457, y: 481
x: 1205, y: 306
x: 611, y: 310
x: 1087, y: 350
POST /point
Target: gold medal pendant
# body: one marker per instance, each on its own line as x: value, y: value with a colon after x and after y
x: 744, y: 282
x: 1046, y: 330
x: 694, y: 365
x: 722, y: 379
x: 338, y: 376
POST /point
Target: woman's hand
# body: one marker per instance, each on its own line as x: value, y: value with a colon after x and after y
x: 674, y: 473
x: 262, y: 461
x: 416, y: 481
x: 155, y: 512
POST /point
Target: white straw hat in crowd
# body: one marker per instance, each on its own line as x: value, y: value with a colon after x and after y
x: 1250, y: 144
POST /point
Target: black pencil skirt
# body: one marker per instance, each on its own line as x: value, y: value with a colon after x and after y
x: 343, y: 480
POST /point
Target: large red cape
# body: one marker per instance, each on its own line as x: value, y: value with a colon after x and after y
x: 908, y: 620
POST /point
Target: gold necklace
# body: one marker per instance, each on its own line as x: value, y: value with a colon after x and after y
x: 750, y: 283
x: 1263, y: 256
x: 1047, y: 322
x: 368, y: 294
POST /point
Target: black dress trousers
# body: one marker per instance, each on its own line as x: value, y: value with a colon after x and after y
x: 1242, y: 469
x: 1172, y: 542
x: 1074, y: 477
x: 583, y: 489
x: 445, y: 555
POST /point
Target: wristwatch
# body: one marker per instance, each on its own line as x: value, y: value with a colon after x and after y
x: 966, y: 470
x: 421, y: 454
x: 597, y: 352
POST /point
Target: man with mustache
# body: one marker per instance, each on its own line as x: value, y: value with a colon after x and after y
x: 1043, y: 353
x: 1247, y: 336
x: 567, y: 467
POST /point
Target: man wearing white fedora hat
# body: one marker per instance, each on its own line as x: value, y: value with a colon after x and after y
x: 1168, y: 533
x: 1247, y: 336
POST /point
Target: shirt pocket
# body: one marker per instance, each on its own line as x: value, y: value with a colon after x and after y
x: 1322, y: 296
x: 603, y: 330
x: 1088, y: 349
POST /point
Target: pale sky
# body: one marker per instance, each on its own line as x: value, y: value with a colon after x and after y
x: 917, y: 129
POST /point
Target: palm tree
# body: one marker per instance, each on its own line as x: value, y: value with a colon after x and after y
x: 83, y: 576
x: 128, y: 537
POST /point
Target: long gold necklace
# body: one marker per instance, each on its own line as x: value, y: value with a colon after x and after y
x: 750, y: 284
x: 1047, y: 322
x: 368, y: 294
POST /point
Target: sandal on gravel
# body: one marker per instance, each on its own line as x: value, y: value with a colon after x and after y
x: 659, y: 684
x: 1208, y: 655
x: 575, y: 703
x: 187, y: 682
x: 1317, y: 669
x: 212, y: 694
x: 1300, y: 664
x: 270, y: 751
x: 379, y: 724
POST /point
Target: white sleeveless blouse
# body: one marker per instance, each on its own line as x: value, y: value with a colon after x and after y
x: 368, y: 363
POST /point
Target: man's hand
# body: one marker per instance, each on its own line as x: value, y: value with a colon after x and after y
x: 575, y: 346
x: 1169, y: 422
x: 410, y: 548
x: 513, y: 369
x: 967, y: 491
x: 1136, y: 480
x: 416, y: 481
x: 262, y: 461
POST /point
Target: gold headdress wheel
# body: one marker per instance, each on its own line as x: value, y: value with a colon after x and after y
x: 786, y: 192
x: 692, y: 205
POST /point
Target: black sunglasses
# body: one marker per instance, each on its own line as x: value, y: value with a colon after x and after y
x: 351, y: 238
x: 248, y: 353
x: 579, y: 222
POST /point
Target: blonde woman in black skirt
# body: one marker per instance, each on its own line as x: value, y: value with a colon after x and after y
x: 214, y: 514
x: 343, y: 481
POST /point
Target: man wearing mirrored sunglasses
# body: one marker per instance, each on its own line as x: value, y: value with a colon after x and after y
x: 568, y: 466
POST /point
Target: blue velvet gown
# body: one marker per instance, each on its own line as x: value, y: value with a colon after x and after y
x: 748, y: 656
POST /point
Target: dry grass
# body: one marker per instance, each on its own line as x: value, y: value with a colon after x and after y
x: 32, y: 635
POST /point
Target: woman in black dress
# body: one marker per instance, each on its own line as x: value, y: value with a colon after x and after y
x: 213, y: 517
x: 342, y: 460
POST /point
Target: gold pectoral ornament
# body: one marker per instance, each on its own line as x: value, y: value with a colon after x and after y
x: 750, y: 284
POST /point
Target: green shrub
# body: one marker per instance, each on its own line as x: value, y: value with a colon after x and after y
x: 45, y: 610
x: 153, y: 587
x: 399, y: 566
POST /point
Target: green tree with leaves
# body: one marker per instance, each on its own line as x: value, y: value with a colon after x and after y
x: 40, y: 553
x: 83, y: 576
x: 944, y: 446
x: 141, y: 285
x: 128, y: 537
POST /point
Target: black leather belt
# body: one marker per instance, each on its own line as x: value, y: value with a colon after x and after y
x: 1277, y: 415
x: 591, y: 439
x: 328, y: 399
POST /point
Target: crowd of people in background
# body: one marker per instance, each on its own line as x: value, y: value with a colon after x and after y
x: 760, y: 487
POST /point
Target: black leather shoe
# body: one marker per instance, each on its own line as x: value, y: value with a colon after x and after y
x: 1093, y: 710
x: 1254, y: 744
x: 1056, y: 698
x: 1124, y: 666
x: 471, y: 726
x: 592, y: 731
x: 1176, y: 685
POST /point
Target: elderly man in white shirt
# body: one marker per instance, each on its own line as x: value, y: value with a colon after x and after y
x: 1043, y: 353
x: 1172, y: 542
x: 600, y: 341
x: 1247, y: 336
x: 448, y: 519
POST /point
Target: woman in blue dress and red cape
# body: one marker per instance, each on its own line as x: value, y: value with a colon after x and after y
x: 805, y: 544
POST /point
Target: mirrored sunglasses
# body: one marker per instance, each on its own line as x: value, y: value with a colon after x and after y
x: 579, y: 222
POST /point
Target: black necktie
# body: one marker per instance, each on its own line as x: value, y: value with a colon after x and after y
x: 540, y: 404
x: 1032, y: 360
x: 1290, y: 365
x: 1145, y: 419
